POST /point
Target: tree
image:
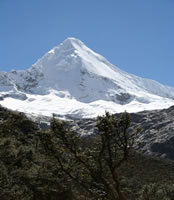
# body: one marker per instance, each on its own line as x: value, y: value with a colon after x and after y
x: 92, y: 164
x: 157, y: 191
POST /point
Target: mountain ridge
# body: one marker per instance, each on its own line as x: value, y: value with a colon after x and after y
x: 85, y: 80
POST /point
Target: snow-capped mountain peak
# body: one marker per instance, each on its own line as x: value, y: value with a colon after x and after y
x: 72, y: 42
x: 85, y: 80
x: 70, y: 50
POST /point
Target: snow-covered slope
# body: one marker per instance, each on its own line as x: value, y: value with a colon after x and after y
x: 73, y: 80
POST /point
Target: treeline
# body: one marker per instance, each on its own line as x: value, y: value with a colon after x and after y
x: 61, y: 164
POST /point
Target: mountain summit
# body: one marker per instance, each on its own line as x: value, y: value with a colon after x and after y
x: 72, y: 80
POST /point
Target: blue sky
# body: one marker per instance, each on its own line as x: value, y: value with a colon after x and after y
x: 135, y: 35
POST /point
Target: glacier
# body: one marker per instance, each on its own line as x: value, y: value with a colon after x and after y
x: 72, y: 81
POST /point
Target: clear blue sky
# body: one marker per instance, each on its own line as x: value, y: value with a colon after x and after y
x: 135, y: 35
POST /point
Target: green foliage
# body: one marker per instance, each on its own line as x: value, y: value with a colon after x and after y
x: 93, y: 168
x: 25, y: 171
x: 157, y: 192
x: 59, y: 164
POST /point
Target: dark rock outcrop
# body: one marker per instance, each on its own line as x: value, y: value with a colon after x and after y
x: 157, y: 131
x: 156, y: 138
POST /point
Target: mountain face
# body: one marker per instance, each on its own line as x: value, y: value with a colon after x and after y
x: 157, y: 130
x: 157, y: 135
x: 73, y: 81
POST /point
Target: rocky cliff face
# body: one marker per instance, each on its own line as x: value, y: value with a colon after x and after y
x: 157, y: 136
x: 157, y: 132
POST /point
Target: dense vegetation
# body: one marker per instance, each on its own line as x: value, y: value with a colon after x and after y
x: 59, y: 164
